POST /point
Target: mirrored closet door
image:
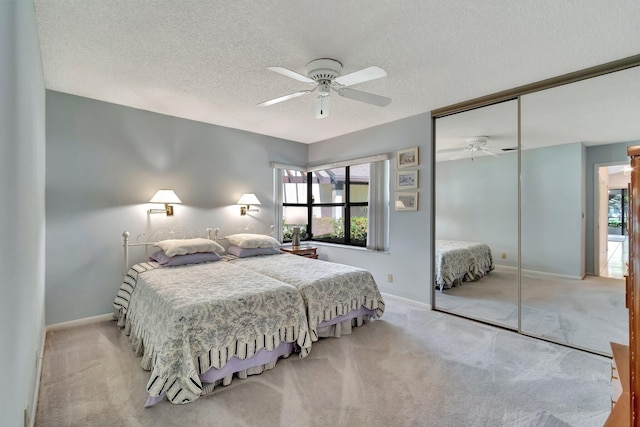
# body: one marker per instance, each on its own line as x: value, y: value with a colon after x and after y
x: 568, y: 133
x: 476, y: 208
x: 542, y: 190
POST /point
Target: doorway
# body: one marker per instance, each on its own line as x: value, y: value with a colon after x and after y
x: 612, y: 195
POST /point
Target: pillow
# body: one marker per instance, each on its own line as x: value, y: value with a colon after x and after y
x: 161, y: 258
x: 247, y: 252
x: 252, y: 241
x: 173, y: 247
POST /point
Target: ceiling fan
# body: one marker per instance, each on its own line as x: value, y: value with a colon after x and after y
x: 325, y: 75
x: 475, y: 145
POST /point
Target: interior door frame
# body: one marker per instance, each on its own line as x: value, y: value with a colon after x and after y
x: 596, y: 213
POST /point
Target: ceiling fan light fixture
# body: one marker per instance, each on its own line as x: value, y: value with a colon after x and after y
x: 477, y: 141
x: 324, y: 87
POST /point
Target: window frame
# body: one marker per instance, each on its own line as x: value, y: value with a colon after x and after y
x: 378, y: 200
x: 345, y: 206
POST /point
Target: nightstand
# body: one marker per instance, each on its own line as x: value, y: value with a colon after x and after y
x: 305, y: 251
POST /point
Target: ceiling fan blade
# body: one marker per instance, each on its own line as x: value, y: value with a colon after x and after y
x: 364, y: 75
x: 484, y: 150
x: 292, y: 74
x: 369, y: 98
x: 283, y: 98
x: 452, y: 150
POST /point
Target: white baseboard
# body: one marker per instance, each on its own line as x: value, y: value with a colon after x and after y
x: 413, y: 303
x: 36, y: 391
x: 541, y: 273
x: 80, y: 322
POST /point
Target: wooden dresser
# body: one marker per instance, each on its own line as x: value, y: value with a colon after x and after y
x: 620, y: 377
x: 625, y: 370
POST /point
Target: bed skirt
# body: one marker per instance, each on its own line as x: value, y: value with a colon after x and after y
x: 343, y: 324
x: 263, y: 360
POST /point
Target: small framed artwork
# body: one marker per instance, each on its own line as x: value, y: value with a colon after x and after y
x: 407, y: 180
x: 407, y: 201
x: 407, y: 158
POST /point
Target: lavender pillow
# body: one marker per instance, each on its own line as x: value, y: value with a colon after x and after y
x: 161, y: 258
x: 248, y: 252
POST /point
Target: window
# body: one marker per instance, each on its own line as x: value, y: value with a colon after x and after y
x: 336, y: 204
x: 294, y: 201
x: 339, y: 204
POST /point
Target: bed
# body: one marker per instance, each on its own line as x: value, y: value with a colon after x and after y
x: 458, y: 261
x: 197, y: 325
x: 337, y: 297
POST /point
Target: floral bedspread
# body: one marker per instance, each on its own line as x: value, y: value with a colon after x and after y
x: 461, y: 260
x: 185, y: 320
x: 328, y: 289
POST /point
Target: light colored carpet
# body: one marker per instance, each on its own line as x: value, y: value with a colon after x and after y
x: 411, y: 368
x: 588, y: 313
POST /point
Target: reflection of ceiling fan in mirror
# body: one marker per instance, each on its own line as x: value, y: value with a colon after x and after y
x: 325, y: 75
x: 476, y: 145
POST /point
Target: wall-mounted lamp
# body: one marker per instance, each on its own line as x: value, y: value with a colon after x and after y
x: 247, y: 200
x: 166, y: 197
x: 296, y: 216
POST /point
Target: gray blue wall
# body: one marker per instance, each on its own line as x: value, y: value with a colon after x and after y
x: 408, y: 259
x: 105, y: 161
x: 477, y: 200
x: 22, y: 212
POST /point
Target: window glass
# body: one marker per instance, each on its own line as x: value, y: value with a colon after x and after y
x: 294, y: 186
x: 359, y: 225
x: 327, y: 223
x: 359, y: 193
x: 359, y: 183
x: 328, y: 185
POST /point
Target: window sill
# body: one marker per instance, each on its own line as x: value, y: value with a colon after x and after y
x: 339, y: 246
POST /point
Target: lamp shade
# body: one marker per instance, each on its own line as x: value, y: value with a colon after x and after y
x: 294, y: 215
x: 165, y: 196
x: 248, y: 199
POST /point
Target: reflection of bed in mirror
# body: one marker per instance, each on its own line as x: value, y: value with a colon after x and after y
x: 458, y: 261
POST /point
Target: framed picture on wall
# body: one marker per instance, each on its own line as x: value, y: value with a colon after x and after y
x: 407, y: 158
x: 407, y: 180
x: 406, y: 201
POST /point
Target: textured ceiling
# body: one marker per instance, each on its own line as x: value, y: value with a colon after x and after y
x: 207, y: 60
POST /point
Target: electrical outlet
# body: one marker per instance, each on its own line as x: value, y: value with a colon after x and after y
x: 504, y: 255
x: 390, y: 278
